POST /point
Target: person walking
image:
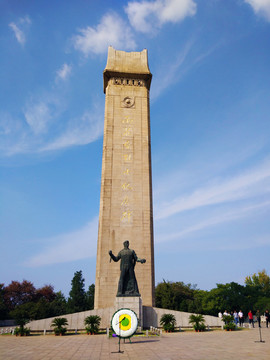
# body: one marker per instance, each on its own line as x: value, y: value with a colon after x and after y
x: 267, y: 317
x: 235, y: 317
x: 250, y: 319
x: 241, y: 318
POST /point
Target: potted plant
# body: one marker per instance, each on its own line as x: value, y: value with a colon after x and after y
x: 92, y: 323
x: 59, y: 324
x: 168, y: 322
x: 21, y: 330
x: 197, y: 321
x: 228, y: 321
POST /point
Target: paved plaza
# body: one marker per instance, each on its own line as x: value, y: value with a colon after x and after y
x: 186, y: 345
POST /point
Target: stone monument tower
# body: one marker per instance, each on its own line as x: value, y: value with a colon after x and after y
x: 126, y: 184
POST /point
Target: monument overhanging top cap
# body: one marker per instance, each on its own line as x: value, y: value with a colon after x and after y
x: 122, y: 63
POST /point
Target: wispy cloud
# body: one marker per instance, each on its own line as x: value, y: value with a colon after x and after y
x: 239, y: 187
x: 79, y: 244
x: 38, y: 116
x: 19, y: 29
x: 223, y: 216
x: 43, y: 128
x: 183, y: 63
x: 173, y: 74
x: 80, y: 131
x: 148, y: 16
x: 112, y: 30
x: 260, y: 7
x: 64, y: 72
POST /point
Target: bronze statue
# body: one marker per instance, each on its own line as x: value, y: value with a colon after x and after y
x: 127, y: 285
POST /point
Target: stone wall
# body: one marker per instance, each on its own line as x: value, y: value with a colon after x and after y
x: 151, y: 317
x: 76, y: 320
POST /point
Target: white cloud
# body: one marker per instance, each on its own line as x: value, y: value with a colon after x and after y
x: 80, y: 131
x: 64, y: 72
x: 7, y: 125
x: 38, y: 116
x: 236, y: 188
x: 46, y: 127
x: 260, y: 7
x: 147, y: 16
x: 112, y: 30
x: 178, y: 67
x: 172, y: 73
x: 79, y: 244
x: 222, y: 217
x: 18, y: 33
x: 42, y: 111
x: 19, y: 29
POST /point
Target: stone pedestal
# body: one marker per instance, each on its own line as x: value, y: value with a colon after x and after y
x: 133, y: 303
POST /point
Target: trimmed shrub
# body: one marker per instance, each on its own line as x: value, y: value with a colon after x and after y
x: 168, y: 322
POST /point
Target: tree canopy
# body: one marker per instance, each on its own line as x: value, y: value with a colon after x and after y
x: 231, y: 296
x: 77, y: 295
x: 21, y: 300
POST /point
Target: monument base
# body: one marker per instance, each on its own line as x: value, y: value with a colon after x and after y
x: 133, y: 303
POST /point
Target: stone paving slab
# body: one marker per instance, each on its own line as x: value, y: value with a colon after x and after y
x: 218, y: 345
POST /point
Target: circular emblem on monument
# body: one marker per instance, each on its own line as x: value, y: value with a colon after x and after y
x: 124, y: 323
x: 128, y: 101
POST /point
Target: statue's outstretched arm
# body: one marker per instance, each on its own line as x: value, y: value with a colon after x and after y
x: 115, y: 258
x: 142, y: 261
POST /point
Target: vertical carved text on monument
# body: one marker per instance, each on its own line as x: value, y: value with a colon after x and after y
x: 127, y: 145
x: 127, y: 120
x: 126, y: 216
x: 126, y: 172
x: 127, y: 131
x: 127, y: 160
x: 125, y: 201
x: 127, y: 157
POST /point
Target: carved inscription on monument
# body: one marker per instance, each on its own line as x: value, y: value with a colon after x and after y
x: 127, y: 166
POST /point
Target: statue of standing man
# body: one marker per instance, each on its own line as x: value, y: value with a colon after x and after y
x: 127, y: 285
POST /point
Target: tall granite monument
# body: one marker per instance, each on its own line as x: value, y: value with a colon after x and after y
x: 126, y: 184
x: 126, y: 217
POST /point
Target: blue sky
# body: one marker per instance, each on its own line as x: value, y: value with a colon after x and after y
x: 210, y: 106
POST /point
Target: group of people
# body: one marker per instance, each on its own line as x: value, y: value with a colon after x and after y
x: 238, y: 317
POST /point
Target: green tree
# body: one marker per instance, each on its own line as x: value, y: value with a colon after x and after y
x: 90, y: 296
x: 21, y: 316
x: 59, y: 304
x: 261, y: 281
x: 198, y: 296
x: 3, y: 307
x: 262, y: 304
x: 230, y: 297
x: 77, y: 295
x: 174, y: 296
